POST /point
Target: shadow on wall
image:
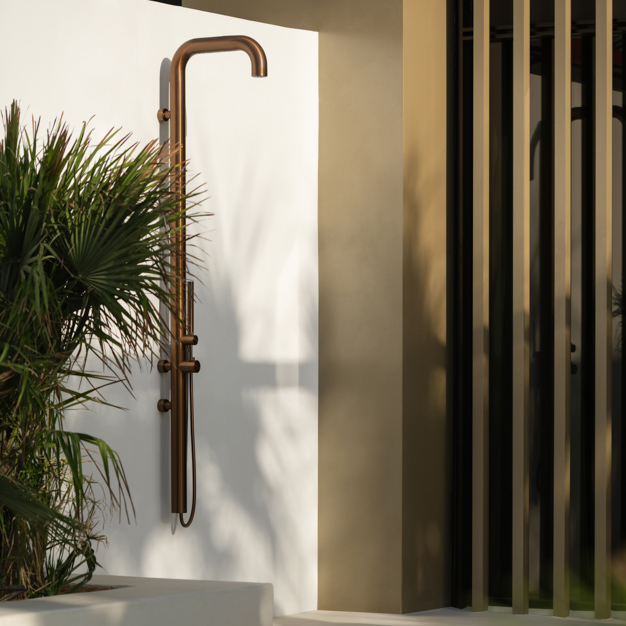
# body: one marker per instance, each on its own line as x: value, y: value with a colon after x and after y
x: 256, y: 441
x: 427, y: 427
x: 255, y: 415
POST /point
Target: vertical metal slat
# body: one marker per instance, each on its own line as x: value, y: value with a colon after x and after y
x: 521, y: 299
x: 622, y: 438
x: 480, y: 310
x: 562, y: 296
x: 603, y: 296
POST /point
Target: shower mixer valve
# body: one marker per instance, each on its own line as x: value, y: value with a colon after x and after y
x: 189, y: 365
x: 181, y: 404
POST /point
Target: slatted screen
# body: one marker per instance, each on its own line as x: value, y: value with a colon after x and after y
x: 485, y: 163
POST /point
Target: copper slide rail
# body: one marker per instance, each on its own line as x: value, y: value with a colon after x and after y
x: 182, y: 364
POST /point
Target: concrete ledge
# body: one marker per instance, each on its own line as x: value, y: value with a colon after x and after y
x: 495, y: 616
x: 149, y: 602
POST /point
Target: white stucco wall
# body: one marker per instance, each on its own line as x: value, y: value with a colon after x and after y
x: 254, y: 144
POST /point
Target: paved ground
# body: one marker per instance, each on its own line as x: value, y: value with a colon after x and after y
x: 444, y: 617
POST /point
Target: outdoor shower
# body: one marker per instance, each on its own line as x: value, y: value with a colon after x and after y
x: 182, y: 365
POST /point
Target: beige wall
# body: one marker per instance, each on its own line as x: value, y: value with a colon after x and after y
x: 427, y: 426
x: 384, y: 449
x: 360, y: 234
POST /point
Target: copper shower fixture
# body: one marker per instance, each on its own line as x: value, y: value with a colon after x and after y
x: 182, y: 365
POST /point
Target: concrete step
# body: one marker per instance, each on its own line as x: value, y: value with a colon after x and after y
x: 149, y: 602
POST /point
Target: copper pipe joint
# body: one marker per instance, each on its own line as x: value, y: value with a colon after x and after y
x: 164, y: 405
x: 189, y: 367
x: 189, y: 340
x: 164, y: 366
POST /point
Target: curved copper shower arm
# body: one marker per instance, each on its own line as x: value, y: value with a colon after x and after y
x: 183, y: 365
x: 178, y: 117
x: 177, y: 78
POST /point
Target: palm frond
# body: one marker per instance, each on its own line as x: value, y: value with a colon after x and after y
x: 86, y: 233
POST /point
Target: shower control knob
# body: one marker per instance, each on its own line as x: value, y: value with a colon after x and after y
x: 164, y: 366
x: 189, y: 367
x: 164, y: 405
x: 189, y: 340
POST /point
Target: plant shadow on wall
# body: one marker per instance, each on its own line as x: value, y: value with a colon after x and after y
x: 253, y: 413
x: 257, y: 455
x: 254, y: 462
x: 427, y: 430
x: 82, y: 254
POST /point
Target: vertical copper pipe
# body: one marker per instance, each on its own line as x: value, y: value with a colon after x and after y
x: 179, y: 395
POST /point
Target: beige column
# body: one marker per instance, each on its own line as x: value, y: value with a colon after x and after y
x: 426, y: 503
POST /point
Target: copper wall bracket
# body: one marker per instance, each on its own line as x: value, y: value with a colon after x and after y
x: 164, y: 405
x: 164, y: 366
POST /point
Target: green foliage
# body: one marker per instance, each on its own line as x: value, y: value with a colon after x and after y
x: 85, y: 238
x: 618, y: 311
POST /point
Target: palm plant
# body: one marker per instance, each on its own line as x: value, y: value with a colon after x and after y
x: 85, y: 238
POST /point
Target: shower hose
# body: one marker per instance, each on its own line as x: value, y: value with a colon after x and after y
x: 193, y: 458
